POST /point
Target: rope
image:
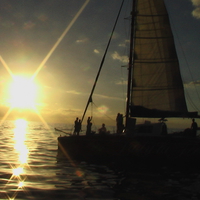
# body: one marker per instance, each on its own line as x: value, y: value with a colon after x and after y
x: 102, y: 62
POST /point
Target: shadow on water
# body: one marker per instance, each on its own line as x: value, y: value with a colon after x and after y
x: 139, y: 180
x: 112, y: 181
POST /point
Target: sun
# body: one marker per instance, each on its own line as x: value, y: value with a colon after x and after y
x: 22, y: 92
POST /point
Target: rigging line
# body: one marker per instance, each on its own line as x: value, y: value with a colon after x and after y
x: 102, y: 62
x: 94, y: 125
x: 60, y: 39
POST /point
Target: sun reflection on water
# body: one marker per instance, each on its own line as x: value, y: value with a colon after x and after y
x: 21, y: 151
x: 20, y: 138
x: 17, y: 171
x: 21, y: 184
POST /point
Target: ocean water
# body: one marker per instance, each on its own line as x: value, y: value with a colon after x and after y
x: 29, y: 169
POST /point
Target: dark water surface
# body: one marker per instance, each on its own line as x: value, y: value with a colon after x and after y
x: 30, y: 170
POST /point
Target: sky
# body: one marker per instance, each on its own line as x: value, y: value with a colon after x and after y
x: 60, y: 44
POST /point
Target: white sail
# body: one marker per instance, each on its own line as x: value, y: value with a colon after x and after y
x: 157, y: 89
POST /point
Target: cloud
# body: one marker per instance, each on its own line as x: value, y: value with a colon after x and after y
x: 124, y: 44
x: 196, y: 11
x: 29, y: 25
x: 73, y: 92
x: 116, y: 56
x: 96, y: 51
x: 122, y: 82
x: 195, y: 82
x: 82, y: 40
x: 196, y: 2
x: 108, y: 97
x: 192, y: 83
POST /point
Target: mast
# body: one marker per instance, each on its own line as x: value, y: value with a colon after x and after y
x: 130, y: 66
x: 102, y: 62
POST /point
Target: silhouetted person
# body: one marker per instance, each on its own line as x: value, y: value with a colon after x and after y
x: 76, y: 126
x: 89, y: 126
x: 102, y: 130
x: 194, y: 127
x: 119, y: 120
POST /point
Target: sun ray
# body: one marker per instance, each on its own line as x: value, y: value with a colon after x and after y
x: 43, y: 62
x: 18, y: 170
x: 60, y: 39
x: 5, y: 116
x: 6, y: 66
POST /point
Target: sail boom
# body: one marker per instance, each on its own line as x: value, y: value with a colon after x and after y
x: 139, y: 111
x: 152, y: 89
x: 163, y: 15
x: 156, y: 61
x: 148, y: 38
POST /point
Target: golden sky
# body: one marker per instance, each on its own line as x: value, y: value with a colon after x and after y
x: 51, y: 51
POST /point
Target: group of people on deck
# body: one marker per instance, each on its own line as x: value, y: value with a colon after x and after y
x: 120, y: 126
x: 102, y: 130
x: 77, y: 126
x: 119, y: 122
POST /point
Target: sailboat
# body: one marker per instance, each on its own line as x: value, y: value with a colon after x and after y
x: 154, y: 90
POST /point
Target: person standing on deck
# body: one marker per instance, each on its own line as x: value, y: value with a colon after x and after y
x: 194, y: 127
x: 76, y: 126
x: 89, y: 126
x: 120, y: 126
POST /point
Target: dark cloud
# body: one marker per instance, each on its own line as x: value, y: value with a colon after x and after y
x: 196, y: 11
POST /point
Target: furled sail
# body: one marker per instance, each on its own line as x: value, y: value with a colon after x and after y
x: 157, y: 89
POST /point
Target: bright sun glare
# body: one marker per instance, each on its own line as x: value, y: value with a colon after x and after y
x: 22, y: 92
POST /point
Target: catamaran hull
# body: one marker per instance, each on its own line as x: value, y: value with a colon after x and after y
x: 119, y: 148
